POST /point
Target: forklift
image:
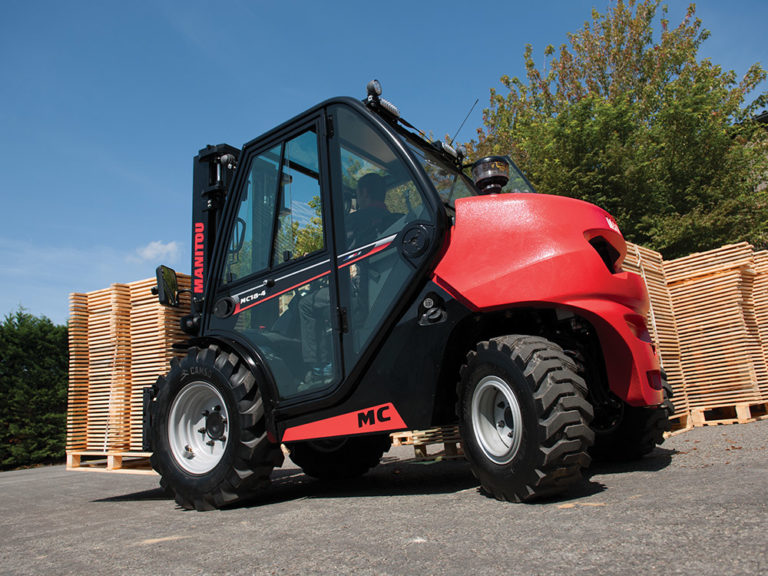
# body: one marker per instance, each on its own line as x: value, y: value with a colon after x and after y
x: 352, y: 278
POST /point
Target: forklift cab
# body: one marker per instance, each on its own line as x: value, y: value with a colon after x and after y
x: 330, y: 221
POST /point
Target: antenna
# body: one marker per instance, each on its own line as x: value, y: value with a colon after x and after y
x: 465, y: 119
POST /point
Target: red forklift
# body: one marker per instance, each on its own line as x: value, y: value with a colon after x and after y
x: 352, y: 278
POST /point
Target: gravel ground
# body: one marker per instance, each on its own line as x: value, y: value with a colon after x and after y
x: 696, y: 505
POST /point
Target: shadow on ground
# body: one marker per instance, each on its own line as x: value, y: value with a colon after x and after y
x: 657, y: 460
x: 395, y: 477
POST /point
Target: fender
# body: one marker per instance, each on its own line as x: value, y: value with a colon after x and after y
x: 519, y: 265
x: 258, y: 368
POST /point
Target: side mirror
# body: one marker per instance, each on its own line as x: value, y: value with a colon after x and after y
x: 167, y: 289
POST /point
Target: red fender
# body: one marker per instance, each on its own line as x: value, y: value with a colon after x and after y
x: 533, y: 250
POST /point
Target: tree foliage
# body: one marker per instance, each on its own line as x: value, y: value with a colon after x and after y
x: 308, y: 238
x: 33, y: 390
x: 629, y: 118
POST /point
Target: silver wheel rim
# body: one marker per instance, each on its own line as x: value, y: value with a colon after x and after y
x: 497, y: 419
x: 198, y: 428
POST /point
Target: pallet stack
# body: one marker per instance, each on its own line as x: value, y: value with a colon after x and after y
x: 760, y: 301
x: 661, y: 322
x: 120, y: 341
x: 77, y: 397
x: 721, y: 352
x: 154, y: 329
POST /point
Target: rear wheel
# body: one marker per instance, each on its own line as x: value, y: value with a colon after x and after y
x: 339, y: 458
x: 209, y: 440
x: 523, y: 419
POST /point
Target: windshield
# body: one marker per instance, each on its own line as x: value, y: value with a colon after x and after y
x: 452, y: 184
x: 449, y: 182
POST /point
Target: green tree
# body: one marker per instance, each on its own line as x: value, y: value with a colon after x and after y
x: 309, y: 237
x: 631, y: 119
x: 33, y: 390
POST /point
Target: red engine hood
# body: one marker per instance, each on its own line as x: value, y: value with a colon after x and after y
x: 528, y: 248
x: 533, y: 250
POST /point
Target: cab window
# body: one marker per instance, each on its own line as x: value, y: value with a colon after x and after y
x: 380, y: 198
x: 280, y: 215
x: 300, y: 220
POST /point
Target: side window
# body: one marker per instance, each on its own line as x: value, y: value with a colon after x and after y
x: 300, y: 221
x: 379, y: 196
x: 250, y: 245
x: 380, y: 199
x: 278, y: 223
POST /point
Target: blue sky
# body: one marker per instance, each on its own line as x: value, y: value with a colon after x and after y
x: 103, y: 105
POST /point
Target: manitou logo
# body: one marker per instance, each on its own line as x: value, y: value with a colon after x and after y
x: 370, y: 417
x: 198, y: 268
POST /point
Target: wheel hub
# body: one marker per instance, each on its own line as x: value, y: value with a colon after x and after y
x: 215, y: 424
x: 497, y: 419
x: 197, y: 427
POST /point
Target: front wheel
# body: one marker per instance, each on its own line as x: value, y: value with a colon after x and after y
x: 209, y: 442
x: 523, y: 418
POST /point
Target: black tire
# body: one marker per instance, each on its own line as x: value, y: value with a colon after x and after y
x: 339, y: 458
x: 209, y: 442
x: 523, y: 418
x: 637, y: 433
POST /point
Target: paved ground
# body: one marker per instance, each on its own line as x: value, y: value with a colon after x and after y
x: 699, y: 505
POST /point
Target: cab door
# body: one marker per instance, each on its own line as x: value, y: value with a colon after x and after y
x: 276, y: 287
x: 385, y: 228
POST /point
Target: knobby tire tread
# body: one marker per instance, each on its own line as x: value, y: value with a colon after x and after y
x: 562, y: 412
x: 254, y: 457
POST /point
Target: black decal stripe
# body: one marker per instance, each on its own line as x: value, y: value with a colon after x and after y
x: 356, y: 255
x: 239, y: 309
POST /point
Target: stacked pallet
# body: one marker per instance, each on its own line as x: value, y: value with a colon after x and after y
x: 760, y: 301
x: 661, y: 321
x: 154, y: 329
x: 721, y: 353
x: 120, y: 340
x: 77, y: 397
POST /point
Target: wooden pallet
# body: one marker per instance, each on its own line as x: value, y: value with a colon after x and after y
x: 760, y: 303
x: 741, y: 413
x: 421, y: 440
x: 710, y: 262
x: 125, y: 462
x: 680, y: 422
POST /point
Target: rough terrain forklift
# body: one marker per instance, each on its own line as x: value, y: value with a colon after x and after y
x: 351, y: 278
